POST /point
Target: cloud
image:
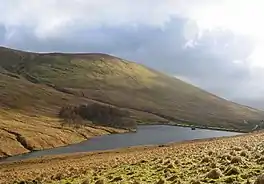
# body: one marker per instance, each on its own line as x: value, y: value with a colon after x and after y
x: 51, y: 17
x: 2, y: 33
x: 195, y: 39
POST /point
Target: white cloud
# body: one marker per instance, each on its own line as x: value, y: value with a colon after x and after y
x: 55, y: 18
x: 51, y: 17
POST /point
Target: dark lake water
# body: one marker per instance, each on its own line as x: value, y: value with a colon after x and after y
x: 146, y: 135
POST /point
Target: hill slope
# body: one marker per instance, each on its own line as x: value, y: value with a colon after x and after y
x: 115, y: 81
x: 34, y: 87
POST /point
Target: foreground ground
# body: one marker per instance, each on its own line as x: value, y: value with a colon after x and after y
x: 225, y: 160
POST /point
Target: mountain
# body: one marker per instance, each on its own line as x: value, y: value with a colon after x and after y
x: 36, y: 86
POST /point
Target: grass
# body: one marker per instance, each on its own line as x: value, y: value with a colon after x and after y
x: 30, y: 110
x: 223, y: 160
x: 22, y: 133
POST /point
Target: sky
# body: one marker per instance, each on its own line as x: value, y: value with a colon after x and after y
x: 217, y: 45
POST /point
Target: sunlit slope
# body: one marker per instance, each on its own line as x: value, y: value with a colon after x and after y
x: 124, y: 84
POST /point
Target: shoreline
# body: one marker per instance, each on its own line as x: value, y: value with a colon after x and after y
x: 213, y: 128
x: 135, y: 156
x: 20, y: 156
x: 110, y: 132
x: 123, y: 150
x: 134, y: 130
x: 200, y: 127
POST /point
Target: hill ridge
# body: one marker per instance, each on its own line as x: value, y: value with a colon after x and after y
x: 34, y: 87
x: 112, y: 80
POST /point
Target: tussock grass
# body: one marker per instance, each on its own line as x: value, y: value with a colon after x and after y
x: 170, y: 164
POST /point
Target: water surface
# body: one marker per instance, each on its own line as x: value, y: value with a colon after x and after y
x: 146, y: 135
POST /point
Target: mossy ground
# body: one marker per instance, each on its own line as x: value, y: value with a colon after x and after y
x: 224, y: 160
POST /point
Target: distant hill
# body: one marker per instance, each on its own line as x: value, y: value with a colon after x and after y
x: 43, y: 83
x: 35, y: 87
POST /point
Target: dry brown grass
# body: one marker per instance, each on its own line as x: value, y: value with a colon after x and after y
x: 20, y: 133
x: 175, y: 163
x: 28, y: 112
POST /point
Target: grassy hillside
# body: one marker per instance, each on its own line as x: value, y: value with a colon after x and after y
x: 22, y: 133
x: 49, y: 81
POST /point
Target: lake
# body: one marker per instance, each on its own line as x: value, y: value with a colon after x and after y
x: 145, y: 135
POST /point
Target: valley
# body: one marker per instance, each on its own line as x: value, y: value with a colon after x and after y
x: 34, y: 87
